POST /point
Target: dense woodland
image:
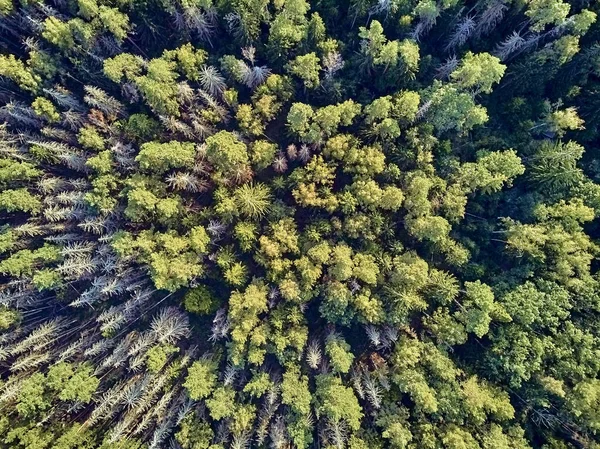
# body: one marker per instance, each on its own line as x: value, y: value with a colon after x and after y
x: 358, y: 224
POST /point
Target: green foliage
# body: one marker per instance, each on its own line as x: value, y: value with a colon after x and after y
x: 159, y: 87
x: 201, y: 379
x: 478, y: 72
x: 200, y: 300
x: 450, y: 108
x: 194, y: 434
x: 124, y: 65
x: 6, y: 7
x: 554, y: 165
x: 90, y: 138
x: 259, y: 384
x: 295, y: 392
x: 19, y: 200
x: 585, y: 403
x: 45, y: 108
x: 544, y: 12
x: 159, y: 355
x: 58, y: 33
x: 228, y: 154
x: 291, y: 223
x: 141, y: 127
x: 339, y: 354
x: 73, y: 384
x: 114, y: 21
x: 252, y: 200
x: 189, y: 60
x: 262, y: 153
x: 16, y: 70
x: 306, y: 67
x: 160, y: 157
x: 337, y: 402
x: 8, y: 317
x: 220, y: 403
x: 312, y: 126
x: 172, y: 259
x: 13, y: 171
x: 24, y: 262
x: 244, y: 311
x: 67, y: 382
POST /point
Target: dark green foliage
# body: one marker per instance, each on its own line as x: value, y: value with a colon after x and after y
x: 200, y: 300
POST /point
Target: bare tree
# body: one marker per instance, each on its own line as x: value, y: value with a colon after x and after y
x: 460, y: 35
x: 212, y: 81
x: 509, y: 46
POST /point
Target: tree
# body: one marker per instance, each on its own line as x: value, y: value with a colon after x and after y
x: 160, y: 157
x: 479, y: 309
x: 262, y: 154
x: 483, y: 400
x: 365, y: 268
x: 337, y: 402
x: 201, y: 379
x: 491, y: 172
x: 189, y: 60
x: 12, y: 171
x: 88, y: 9
x: 289, y: 27
x: 172, y: 259
x: 406, y: 106
x: 159, y: 86
x: 295, y: 392
x: 124, y: 65
x: 114, y: 21
x: 299, y: 118
x: 296, y: 395
x: 200, y: 300
x: 16, y: 70
x: 585, y: 403
x: 312, y: 125
x: 194, y: 434
x: 341, y: 264
x: 58, y: 33
x: 90, y: 138
x: 244, y: 311
x: 246, y: 234
x: 378, y: 115
x: 77, y: 384
x: 31, y: 398
x: 339, y: 353
x: 158, y: 356
x: 25, y: 262
x: 259, y: 385
x: 562, y: 120
x: 544, y: 12
x: 171, y: 273
x: 252, y: 200
x: 409, y: 57
x: 478, y: 72
x: 306, y: 67
x: 46, y: 109
x: 220, y: 403
x: 372, y: 42
x: 449, y: 108
x: 227, y: 154
x: 20, y: 200
x: 212, y: 81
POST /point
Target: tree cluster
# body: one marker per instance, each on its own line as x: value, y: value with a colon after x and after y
x: 299, y: 224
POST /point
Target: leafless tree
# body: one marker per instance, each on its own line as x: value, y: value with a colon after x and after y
x: 462, y: 31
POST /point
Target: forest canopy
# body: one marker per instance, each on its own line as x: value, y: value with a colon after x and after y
x: 361, y: 224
